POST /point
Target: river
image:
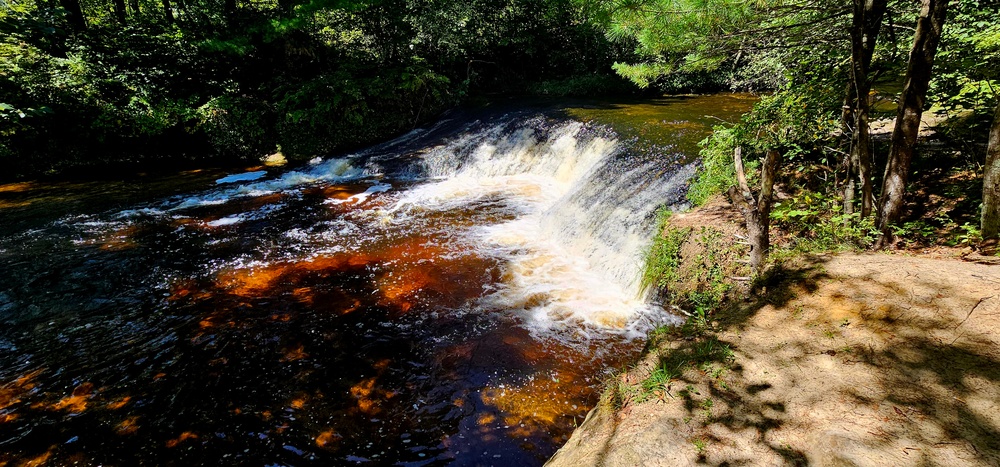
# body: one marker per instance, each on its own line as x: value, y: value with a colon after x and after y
x: 456, y: 296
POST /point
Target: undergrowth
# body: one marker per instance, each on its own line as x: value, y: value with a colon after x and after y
x: 663, y: 259
x: 705, y: 354
x: 815, y: 222
x: 698, y: 269
x: 717, y: 172
x: 692, y: 268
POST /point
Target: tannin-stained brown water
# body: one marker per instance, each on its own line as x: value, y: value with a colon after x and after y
x: 456, y: 296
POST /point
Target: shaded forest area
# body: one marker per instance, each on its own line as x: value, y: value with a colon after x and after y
x: 99, y: 83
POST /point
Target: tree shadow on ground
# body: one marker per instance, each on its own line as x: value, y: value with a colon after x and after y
x: 905, y: 357
x: 889, y: 360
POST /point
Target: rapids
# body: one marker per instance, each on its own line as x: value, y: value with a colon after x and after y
x: 456, y: 295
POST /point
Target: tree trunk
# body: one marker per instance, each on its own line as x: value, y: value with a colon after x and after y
x: 230, y: 7
x: 911, y: 107
x: 991, y: 186
x: 862, y: 157
x: 74, y: 14
x: 756, y: 212
x: 134, y: 7
x: 867, y: 22
x: 119, y: 6
x: 168, y: 12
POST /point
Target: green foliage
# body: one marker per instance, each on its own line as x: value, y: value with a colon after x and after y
x: 710, y: 272
x: 802, y: 51
x: 940, y: 229
x: 817, y: 223
x: 763, y: 70
x: 664, y: 256
x: 619, y: 393
x: 674, y: 36
x: 235, y: 80
x: 699, y: 445
x: 582, y: 86
x: 699, y: 283
x: 967, y: 64
x: 697, y: 323
x: 336, y: 110
x: 236, y: 126
x: 717, y: 172
x: 796, y: 123
x: 703, y: 355
x: 661, y: 377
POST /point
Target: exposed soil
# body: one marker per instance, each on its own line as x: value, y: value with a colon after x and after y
x: 848, y: 359
x: 843, y: 359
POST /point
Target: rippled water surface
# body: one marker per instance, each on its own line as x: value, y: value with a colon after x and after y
x: 455, y: 296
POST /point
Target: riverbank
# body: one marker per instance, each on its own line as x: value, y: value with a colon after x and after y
x: 843, y: 359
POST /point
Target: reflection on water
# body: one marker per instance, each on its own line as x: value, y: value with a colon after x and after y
x: 455, y: 296
x: 679, y: 121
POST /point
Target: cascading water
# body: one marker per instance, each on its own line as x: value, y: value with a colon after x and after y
x: 583, y: 213
x: 452, y: 296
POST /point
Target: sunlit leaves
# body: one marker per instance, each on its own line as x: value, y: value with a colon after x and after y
x: 968, y: 60
x: 676, y: 35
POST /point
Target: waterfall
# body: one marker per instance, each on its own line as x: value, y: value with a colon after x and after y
x: 455, y: 295
x: 586, y: 211
x: 572, y: 209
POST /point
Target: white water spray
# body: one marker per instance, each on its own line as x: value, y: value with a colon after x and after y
x: 585, y: 213
x: 573, y: 211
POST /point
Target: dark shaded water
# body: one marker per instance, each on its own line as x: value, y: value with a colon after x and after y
x: 455, y: 296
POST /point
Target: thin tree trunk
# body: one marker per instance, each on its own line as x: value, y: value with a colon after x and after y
x: 991, y: 186
x: 230, y: 7
x: 756, y: 212
x: 911, y: 107
x: 850, y: 187
x: 168, y: 12
x: 862, y: 155
x: 134, y: 6
x: 119, y: 6
x: 848, y: 125
x: 867, y: 22
x: 74, y: 14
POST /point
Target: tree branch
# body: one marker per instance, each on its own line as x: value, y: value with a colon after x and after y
x: 741, y: 176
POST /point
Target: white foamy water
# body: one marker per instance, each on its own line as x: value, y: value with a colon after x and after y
x: 242, y: 177
x: 362, y: 197
x: 567, y: 210
x: 583, y: 220
x: 329, y: 171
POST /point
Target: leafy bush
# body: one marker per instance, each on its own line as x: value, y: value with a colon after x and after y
x: 582, y: 85
x: 796, y: 124
x: 663, y: 258
x: 343, y: 109
x: 817, y: 223
x: 717, y: 172
x: 237, y: 126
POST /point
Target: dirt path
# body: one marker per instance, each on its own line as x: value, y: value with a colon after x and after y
x: 848, y: 360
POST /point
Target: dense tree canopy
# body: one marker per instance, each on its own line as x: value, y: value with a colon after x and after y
x: 826, y: 61
x: 85, y: 80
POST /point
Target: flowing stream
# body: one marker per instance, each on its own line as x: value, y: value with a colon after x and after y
x: 455, y: 296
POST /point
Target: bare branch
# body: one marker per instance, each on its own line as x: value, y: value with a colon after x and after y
x: 741, y: 176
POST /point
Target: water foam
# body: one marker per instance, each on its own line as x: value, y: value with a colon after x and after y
x: 242, y: 177
x: 583, y: 208
x: 567, y: 209
x: 329, y: 171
